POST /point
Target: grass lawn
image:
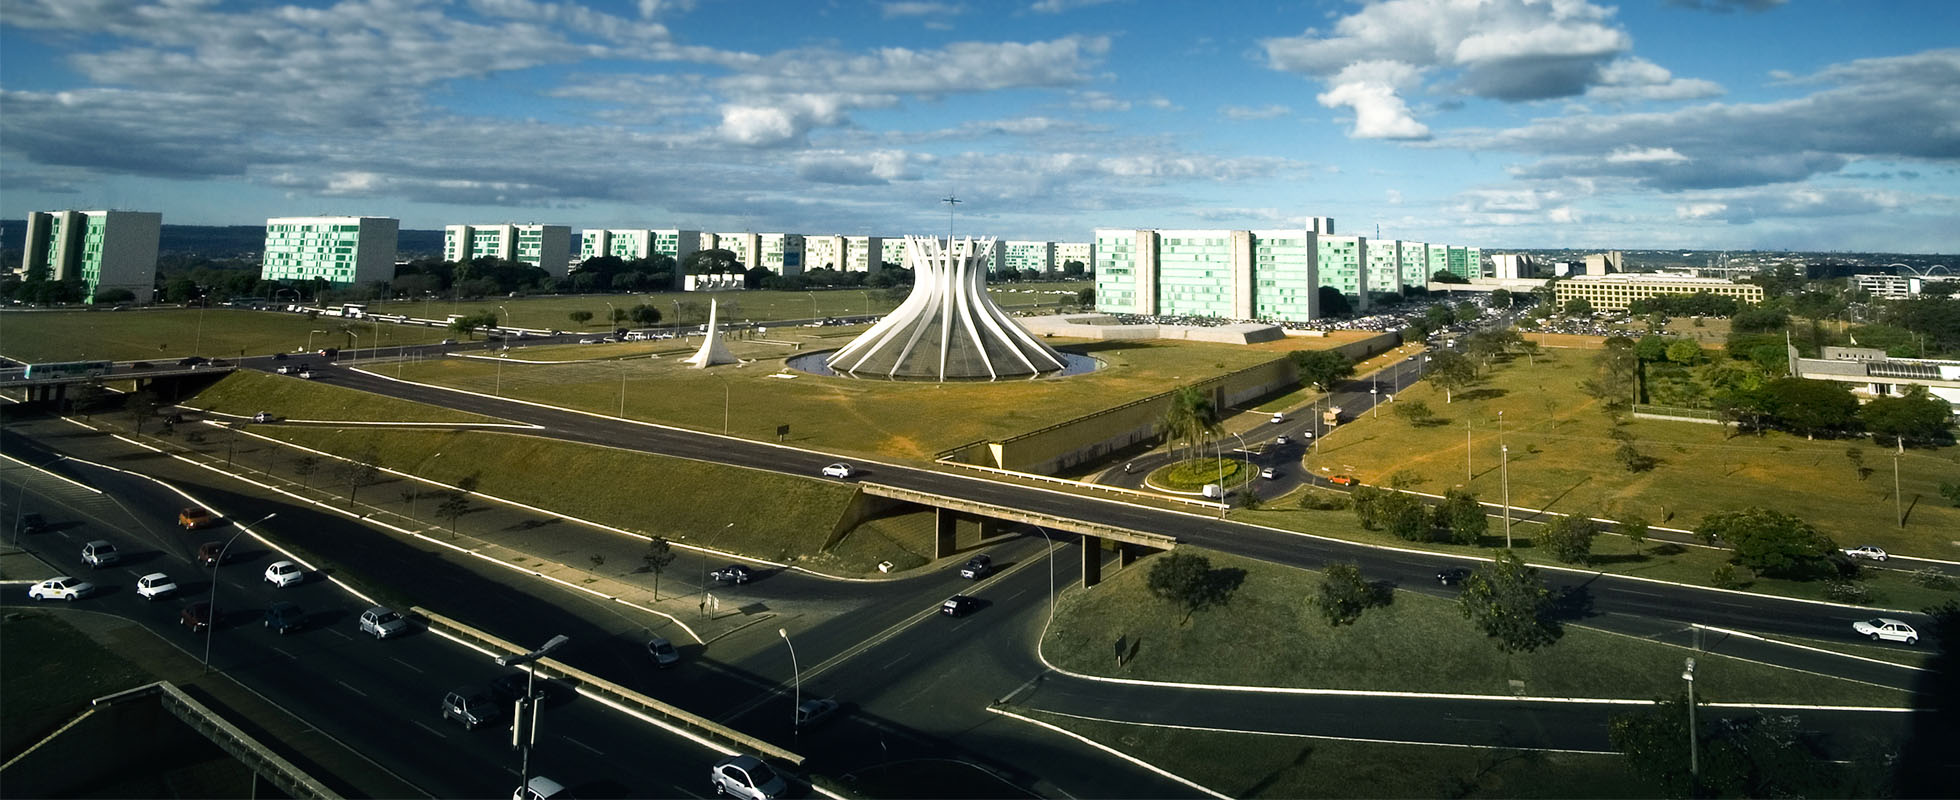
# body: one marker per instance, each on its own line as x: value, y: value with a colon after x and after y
x: 778, y: 517
x: 1269, y: 635
x: 1561, y: 458
x: 553, y: 311
x: 1261, y: 765
x: 52, y: 672
x: 245, y: 393
x: 894, y: 419
x: 168, y: 334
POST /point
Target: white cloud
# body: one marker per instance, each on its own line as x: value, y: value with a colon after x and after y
x: 1059, y: 6
x: 1650, y: 155
x: 1700, y: 210
x: 922, y: 9
x: 1269, y: 111
x: 1098, y: 101
x: 1633, y: 78
x: 1726, y: 6
x: 1371, y: 89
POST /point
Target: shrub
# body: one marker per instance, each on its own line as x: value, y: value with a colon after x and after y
x: 1323, y: 500
x: 1930, y: 578
x: 1725, y: 577
x: 1847, y: 592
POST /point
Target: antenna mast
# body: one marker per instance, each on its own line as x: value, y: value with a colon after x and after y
x: 952, y: 204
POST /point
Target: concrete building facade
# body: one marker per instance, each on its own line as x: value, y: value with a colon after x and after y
x: 1605, y: 292
x: 343, y: 251
x: 864, y: 254
x: 1267, y: 274
x: 102, y: 249
x: 1873, y: 374
x: 1083, y: 253
x: 1385, y: 266
x: 1022, y: 255
x: 1415, y: 263
x: 824, y: 252
x: 1344, y: 266
x: 781, y: 253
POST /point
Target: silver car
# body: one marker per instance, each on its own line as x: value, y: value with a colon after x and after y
x: 746, y: 777
x: 382, y: 622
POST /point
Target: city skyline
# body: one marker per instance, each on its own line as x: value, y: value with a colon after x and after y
x: 1704, y: 124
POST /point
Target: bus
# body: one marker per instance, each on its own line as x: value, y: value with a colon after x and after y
x: 69, y: 369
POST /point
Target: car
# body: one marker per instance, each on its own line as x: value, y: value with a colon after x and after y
x: 383, y: 622
x: 1306, y: 435
x: 305, y: 374
x: 1268, y: 473
x: 1873, y: 552
x: 1451, y: 576
x: 284, y: 369
x: 958, y: 605
x: 99, y: 553
x: 284, y: 617
x: 283, y: 573
x: 211, y: 554
x: 837, y: 470
x: 1890, y: 630
x: 1281, y: 440
x: 263, y: 416
x: 588, y: 340
x: 745, y: 776
x: 279, y: 356
x: 62, y: 588
x: 191, y: 361
x: 448, y: 341
x: 196, y: 617
x: 733, y: 573
x: 1342, y: 480
x: 810, y: 712
x: 472, y: 707
x: 329, y: 352
x: 977, y: 567
x: 33, y: 523
x: 663, y: 653
x: 1278, y: 418
x: 154, y: 586
x: 192, y: 518
x: 539, y: 787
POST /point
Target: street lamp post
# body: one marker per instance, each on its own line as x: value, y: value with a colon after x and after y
x: 1505, y: 472
x: 197, y: 342
x: 1051, y: 571
x: 528, y: 702
x: 798, y: 673
x: 309, y: 340
x: 1374, y: 400
x: 211, y: 630
x: 1694, y: 745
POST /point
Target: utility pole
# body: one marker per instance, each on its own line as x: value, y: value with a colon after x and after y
x: 1466, y: 452
x: 952, y: 204
x: 1898, y: 503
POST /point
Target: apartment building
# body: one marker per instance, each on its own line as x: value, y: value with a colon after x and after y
x: 1268, y: 274
x: 1037, y: 256
x: 864, y: 253
x: 1385, y: 266
x: 102, y: 249
x: 343, y: 251
x: 824, y: 252
x: 1344, y: 266
x: 1415, y: 263
x: 1617, y: 291
x: 1083, y: 253
x: 545, y: 246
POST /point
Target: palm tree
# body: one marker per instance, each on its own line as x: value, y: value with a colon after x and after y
x: 1190, y: 416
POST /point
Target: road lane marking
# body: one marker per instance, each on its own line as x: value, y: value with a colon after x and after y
x: 595, y: 750
x: 418, y: 724
x: 411, y: 667
x: 283, y: 652
x: 349, y: 687
x: 1112, y: 751
x: 336, y: 632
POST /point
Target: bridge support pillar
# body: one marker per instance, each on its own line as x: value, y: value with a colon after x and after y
x: 1127, y: 553
x: 946, y: 529
x: 1091, y: 560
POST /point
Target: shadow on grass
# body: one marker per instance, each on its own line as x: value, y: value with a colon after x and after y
x: 1112, y: 344
x: 1486, y: 393
x: 1621, y: 558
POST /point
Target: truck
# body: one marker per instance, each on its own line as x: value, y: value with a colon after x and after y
x: 1331, y: 417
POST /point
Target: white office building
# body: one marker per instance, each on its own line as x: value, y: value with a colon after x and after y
x: 1385, y: 266
x: 823, y: 252
x: 544, y: 246
x: 343, y: 251
x: 864, y: 254
x: 1265, y: 275
x: 1083, y: 253
x: 1037, y: 256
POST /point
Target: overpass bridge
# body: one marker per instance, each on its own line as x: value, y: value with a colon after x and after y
x: 169, y: 383
x: 1130, y: 543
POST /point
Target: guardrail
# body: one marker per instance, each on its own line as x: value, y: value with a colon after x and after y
x: 1212, y: 505
x: 553, y: 668
x: 1146, y: 538
x: 290, y: 779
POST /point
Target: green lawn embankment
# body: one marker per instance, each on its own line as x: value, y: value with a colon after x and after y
x: 245, y: 393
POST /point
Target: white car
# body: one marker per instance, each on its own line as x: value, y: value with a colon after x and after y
x: 746, y: 777
x: 1890, y: 630
x: 837, y: 470
x: 263, y: 416
x: 588, y: 340
x: 62, y: 588
x: 1278, y: 418
x: 285, y: 369
x: 284, y: 573
x: 154, y: 586
x: 1281, y: 440
x: 382, y: 622
x: 1268, y: 473
x: 1872, y: 552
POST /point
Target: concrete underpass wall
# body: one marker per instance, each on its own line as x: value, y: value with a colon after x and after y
x: 1094, y: 436
x: 863, y: 507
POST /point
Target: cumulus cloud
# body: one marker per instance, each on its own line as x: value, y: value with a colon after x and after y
x: 1634, y: 78
x: 860, y: 169
x: 1507, y: 50
x: 1726, y: 6
x: 1098, y: 101
x: 1743, y: 207
x: 914, y: 8
x: 1894, y: 107
x: 1059, y: 6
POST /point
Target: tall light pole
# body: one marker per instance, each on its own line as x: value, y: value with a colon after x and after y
x: 197, y: 343
x: 1374, y: 400
x: 1898, y: 507
x: 622, y: 387
x: 507, y: 319
x: 528, y: 702
x: 212, y: 629
x: 1466, y: 452
x: 1051, y: 571
x: 1505, y: 472
x: 1694, y: 744
x: 612, y: 315
x: 309, y: 340
x: 795, y: 671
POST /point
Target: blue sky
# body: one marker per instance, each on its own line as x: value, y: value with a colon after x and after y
x: 1740, y: 124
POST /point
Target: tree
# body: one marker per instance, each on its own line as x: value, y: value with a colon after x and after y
x: 579, y: 317
x: 1086, y: 297
x: 1322, y: 368
x: 1570, y: 538
x: 1367, y: 503
x: 359, y: 472
x: 1619, y: 366
x: 1810, y: 406
x: 1072, y: 268
x: 1189, y: 582
x: 305, y: 466
x: 1342, y: 594
x: 1406, y: 517
x: 467, y: 325
x: 1685, y: 352
x: 1189, y: 416
x: 1463, y: 517
x: 658, y: 556
x: 1655, y: 743
x: 1915, y: 415
x: 645, y: 315
x: 1578, y: 307
x: 1508, y: 602
x: 1417, y: 412
x: 142, y: 406
x: 1530, y: 349
x: 1635, y: 527
x: 1333, y: 303
x: 702, y: 262
x: 1500, y: 298
x: 1451, y: 371
x: 453, y: 506
x: 1631, y: 458
x: 1772, y: 543
x: 86, y: 397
